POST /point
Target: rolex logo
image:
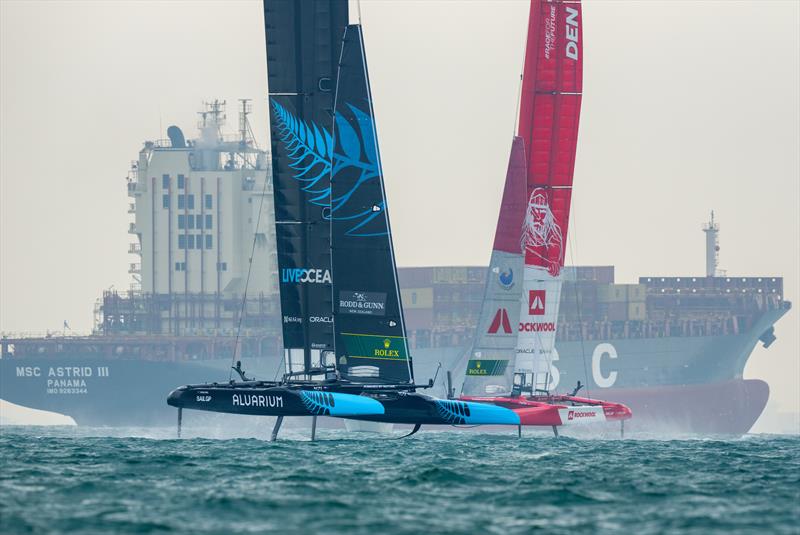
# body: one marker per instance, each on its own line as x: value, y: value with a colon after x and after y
x: 386, y: 352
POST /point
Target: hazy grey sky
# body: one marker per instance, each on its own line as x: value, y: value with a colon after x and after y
x: 688, y: 106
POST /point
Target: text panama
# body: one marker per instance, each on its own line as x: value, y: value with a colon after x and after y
x: 305, y: 275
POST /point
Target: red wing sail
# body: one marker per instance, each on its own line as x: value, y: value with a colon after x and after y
x: 548, y: 124
x: 512, y: 207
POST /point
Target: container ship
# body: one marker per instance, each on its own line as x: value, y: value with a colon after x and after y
x: 203, y: 222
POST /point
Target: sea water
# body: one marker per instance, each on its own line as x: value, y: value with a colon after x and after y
x: 84, y: 480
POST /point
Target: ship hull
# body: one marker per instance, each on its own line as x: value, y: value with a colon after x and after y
x: 677, y: 384
x: 728, y: 408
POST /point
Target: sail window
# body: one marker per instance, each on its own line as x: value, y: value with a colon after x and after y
x: 294, y: 360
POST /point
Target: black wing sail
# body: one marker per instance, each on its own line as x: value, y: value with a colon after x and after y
x: 370, y: 336
x: 303, y: 46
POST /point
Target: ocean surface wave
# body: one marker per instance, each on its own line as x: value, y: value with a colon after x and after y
x: 114, y: 480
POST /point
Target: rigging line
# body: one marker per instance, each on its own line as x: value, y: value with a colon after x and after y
x: 249, y: 271
x: 281, y: 365
x: 572, y: 238
x: 519, y: 106
x: 521, y: 74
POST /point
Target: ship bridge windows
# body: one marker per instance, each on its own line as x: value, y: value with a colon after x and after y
x: 196, y: 241
x: 186, y: 201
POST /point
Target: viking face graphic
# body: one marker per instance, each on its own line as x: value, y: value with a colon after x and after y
x: 542, y: 240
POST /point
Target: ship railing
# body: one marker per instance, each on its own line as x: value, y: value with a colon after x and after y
x: 37, y: 335
x: 162, y: 144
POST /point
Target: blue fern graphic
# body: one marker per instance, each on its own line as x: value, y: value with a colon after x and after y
x: 317, y: 402
x: 453, y: 412
x: 310, y: 150
x: 314, y: 159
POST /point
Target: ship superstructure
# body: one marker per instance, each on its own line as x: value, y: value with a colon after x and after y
x: 197, y: 206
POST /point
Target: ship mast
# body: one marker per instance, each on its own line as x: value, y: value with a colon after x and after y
x: 711, y: 230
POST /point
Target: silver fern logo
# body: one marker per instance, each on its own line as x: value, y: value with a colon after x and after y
x: 315, y: 157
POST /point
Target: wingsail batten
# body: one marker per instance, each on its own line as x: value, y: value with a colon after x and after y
x: 370, y: 338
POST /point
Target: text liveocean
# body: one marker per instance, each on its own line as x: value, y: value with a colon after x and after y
x: 304, y: 275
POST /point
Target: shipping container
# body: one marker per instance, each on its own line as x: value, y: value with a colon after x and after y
x: 636, y: 292
x: 449, y: 275
x: 637, y: 311
x: 614, y: 311
x: 417, y: 298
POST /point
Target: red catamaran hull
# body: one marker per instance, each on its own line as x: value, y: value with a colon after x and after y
x: 558, y: 410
